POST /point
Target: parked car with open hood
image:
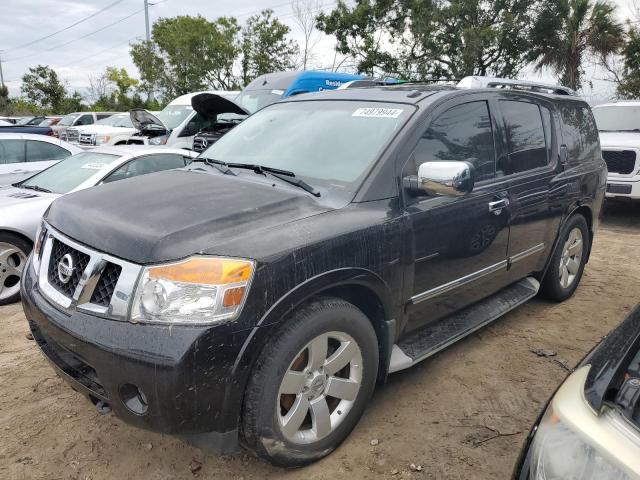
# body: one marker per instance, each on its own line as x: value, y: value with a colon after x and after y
x: 263, y: 91
x: 590, y: 429
x: 619, y: 127
x: 113, y: 130
x: 175, y: 125
x: 76, y: 119
x: 22, y: 204
x: 328, y: 240
x: 23, y: 154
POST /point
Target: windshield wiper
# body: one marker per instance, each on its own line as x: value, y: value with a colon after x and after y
x: 284, y: 175
x: 217, y: 164
x: 34, y: 187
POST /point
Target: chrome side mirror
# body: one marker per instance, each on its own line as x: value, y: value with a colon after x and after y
x: 453, y: 179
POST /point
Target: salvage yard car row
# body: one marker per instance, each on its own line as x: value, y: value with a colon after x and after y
x: 318, y: 243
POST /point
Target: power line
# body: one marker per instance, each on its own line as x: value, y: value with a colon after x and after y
x: 28, y: 44
x: 76, y: 39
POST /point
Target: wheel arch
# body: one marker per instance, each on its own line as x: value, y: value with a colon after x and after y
x: 363, y: 288
x: 17, y: 233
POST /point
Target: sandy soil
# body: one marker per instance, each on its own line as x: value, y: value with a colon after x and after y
x: 461, y: 414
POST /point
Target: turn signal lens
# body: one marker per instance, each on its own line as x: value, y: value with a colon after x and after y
x: 205, y: 271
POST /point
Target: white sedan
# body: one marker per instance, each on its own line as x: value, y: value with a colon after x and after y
x: 23, y: 204
x: 23, y: 154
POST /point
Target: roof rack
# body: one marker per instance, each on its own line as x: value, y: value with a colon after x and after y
x: 492, y: 82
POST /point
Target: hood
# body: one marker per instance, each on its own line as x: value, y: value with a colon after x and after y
x: 210, y: 105
x: 13, y: 197
x: 610, y: 360
x: 173, y: 214
x: 103, y: 129
x: 143, y: 119
x: 620, y: 139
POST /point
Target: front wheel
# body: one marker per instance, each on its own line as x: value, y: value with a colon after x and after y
x: 13, y: 259
x: 568, y: 261
x: 311, y: 384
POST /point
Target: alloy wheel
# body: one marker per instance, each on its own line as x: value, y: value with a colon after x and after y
x: 571, y: 258
x: 319, y: 387
x: 12, y: 262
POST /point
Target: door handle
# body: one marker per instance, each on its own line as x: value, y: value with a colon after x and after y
x: 497, y: 206
x: 20, y: 171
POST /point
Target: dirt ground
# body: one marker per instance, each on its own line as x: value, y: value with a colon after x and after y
x: 461, y: 414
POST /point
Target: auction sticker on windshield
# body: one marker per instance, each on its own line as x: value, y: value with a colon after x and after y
x: 377, y: 112
x: 94, y: 166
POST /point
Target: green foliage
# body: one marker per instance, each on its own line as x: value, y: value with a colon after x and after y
x: 420, y: 39
x: 567, y: 31
x: 42, y: 87
x: 265, y: 47
x: 187, y: 54
x: 629, y: 86
x: 122, y: 80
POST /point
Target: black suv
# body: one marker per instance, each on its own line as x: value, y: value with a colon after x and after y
x: 328, y: 240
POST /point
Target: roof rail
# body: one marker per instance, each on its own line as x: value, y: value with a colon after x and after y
x: 492, y: 82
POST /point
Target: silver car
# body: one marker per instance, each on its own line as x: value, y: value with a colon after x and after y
x: 23, y: 154
x: 23, y: 204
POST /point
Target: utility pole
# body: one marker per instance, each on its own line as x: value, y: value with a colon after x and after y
x: 146, y: 18
x: 1, y: 76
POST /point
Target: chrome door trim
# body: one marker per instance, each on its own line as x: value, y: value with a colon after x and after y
x: 526, y: 253
x: 434, y: 292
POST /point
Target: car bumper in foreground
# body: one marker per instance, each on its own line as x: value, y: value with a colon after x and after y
x: 171, y: 379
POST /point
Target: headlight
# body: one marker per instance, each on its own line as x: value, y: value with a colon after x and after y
x: 37, y: 247
x: 102, y: 139
x: 161, y: 140
x: 558, y: 452
x: 195, y: 291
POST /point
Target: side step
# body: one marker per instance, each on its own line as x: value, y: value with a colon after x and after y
x: 429, y: 340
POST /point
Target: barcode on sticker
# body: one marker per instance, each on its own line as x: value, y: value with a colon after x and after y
x: 94, y: 166
x: 377, y: 112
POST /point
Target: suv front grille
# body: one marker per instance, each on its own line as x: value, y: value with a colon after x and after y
x: 620, y: 161
x: 86, y: 139
x: 79, y: 262
x: 106, y: 285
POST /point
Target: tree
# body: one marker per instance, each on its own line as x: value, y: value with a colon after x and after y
x: 42, y: 87
x: 422, y: 39
x: 265, y: 46
x: 567, y: 31
x: 629, y: 83
x: 304, y: 15
x: 99, y: 87
x: 187, y: 54
x: 123, y: 82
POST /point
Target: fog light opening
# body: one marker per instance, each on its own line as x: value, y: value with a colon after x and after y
x: 134, y: 399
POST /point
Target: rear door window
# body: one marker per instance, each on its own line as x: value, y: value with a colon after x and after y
x: 11, y: 151
x: 43, y: 151
x: 525, y: 136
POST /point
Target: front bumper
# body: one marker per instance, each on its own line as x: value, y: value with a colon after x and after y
x: 623, y: 187
x: 186, y: 374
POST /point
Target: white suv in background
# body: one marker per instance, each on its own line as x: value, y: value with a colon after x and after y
x: 619, y: 127
x: 113, y: 130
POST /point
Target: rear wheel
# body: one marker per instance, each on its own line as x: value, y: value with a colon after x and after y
x: 568, y: 262
x: 311, y: 384
x: 14, y: 251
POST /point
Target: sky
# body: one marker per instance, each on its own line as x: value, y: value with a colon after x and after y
x: 87, y: 48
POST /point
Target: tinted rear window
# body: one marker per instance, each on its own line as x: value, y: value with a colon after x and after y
x: 579, y: 132
x: 525, y: 136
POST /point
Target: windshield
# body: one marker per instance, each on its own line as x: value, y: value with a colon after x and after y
x: 24, y: 120
x: 44, y: 123
x: 67, y: 119
x: 617, y: 118
x: 328, y: 143
x: 174, y: 115
x: 110, y: 121
x: 254, y: 100
x: 67, y: 174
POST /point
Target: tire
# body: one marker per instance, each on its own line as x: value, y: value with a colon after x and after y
x: 268, y: 402
x: 14, y: 251
x: 563, y: 275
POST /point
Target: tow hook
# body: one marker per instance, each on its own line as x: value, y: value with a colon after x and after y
x: 103, y: 408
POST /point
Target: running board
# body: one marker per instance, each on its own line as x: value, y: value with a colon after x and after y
x: 430, y: 339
